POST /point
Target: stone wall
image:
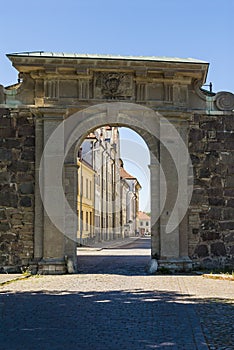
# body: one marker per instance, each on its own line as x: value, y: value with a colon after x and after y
x: 17, y: 152
x: 211, y: 215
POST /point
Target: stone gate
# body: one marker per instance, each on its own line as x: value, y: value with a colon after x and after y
x: 59, y: 99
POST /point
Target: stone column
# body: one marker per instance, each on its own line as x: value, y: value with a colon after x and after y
x: 71, y: 219
x: 169, y: 241
x: 53, y: 261
x: 174, y: 244
x: 155, y: 208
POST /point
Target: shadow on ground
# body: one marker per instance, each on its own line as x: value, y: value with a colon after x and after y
x: 126, y: 320
x: 117, y: 265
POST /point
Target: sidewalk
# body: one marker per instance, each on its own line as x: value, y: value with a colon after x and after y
x: 109, y: 244
x: 7, y: 277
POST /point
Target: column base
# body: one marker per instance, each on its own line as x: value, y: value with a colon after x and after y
x: 183, y: 264
x: 52, y: 267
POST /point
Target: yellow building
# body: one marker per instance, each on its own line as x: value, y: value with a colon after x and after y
x: 85, y: 202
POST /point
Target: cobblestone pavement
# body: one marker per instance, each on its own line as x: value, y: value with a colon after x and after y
x: 112, y: 304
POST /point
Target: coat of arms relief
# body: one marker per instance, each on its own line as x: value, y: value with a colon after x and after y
x: 113, y: 85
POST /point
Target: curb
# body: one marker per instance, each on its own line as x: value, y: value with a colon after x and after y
x: 219, y: 276
x: 11, y: 280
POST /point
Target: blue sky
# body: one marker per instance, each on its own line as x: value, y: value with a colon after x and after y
x: 178, y: 28
x: 181, y: 28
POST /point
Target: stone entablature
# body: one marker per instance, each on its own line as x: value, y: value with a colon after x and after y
x: 53, y: 80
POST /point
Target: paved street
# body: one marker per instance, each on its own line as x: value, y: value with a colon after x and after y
x: 112, y: 304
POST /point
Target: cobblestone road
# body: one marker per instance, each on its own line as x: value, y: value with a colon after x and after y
x: 112, y: 304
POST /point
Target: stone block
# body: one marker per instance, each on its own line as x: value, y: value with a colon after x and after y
x: 29, y: 142
x: 24, y: 177
x: 228, y: 145
x: 25, y: 201
x: 195, y: 159
x: 230, y: 203
x: 202, y: 251
x: 219, y: 202
x: 199, y: 146
x: 4, y: 112
x: 229, y: 237
x: 208, y: 225
x: 212, y: 125
x: 5, y: 122
x: 3, y: 214
x: 215, y: 213
x: 210, y: 236
x: 196, y: 135
x: 229, y: 181
x: 7, y: 237
x: 225, y: 136
x: 5, y: 177
x: 4, y: 226
x: 26, y: 188
x: 12, y: 143
x: 28, y: 154
x: 8, y: 199
x: 226, y: 225
x: 218, y: 249
x: 215, y: 192
x: 22, y: 120
x: 28, y: 217
x: 231, y: 250
x: 198, y: 199
x: 229, y: 192
x: 204, y: 173
x: 228, y: 213
x: 227, y: 157
x: 19, y: 166
x: 215, y: 146
x: 7, y: 132
x: 5, y: 154
x: 216, y: 181
x: 26, y: 130
x: 228, y: 123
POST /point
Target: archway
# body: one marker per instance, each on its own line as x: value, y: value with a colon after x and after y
x: 166, y: 146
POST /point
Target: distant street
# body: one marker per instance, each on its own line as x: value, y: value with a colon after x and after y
x: 129, y: 259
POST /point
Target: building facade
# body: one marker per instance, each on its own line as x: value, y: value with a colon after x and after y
x: 85, y: 203
x: 130, y: 188
x: 109, y: 197
x: 143, y: 223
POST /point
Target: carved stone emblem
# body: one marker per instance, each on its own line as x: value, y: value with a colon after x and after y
x: 224, y: 101
x: 113, y: 85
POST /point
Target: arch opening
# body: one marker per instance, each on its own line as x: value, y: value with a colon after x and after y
x: 153, y: 128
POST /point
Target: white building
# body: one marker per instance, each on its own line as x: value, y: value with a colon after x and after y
x: 143, y: 223
x: 129, y: 201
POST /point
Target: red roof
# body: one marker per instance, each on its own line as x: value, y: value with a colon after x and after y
x: 125, y: 175
x: 143, y: 216
x: 91, y: 136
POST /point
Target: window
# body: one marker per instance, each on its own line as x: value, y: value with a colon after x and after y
x: 147, y: 223
x: 87, y: 221
x: 141, y: 223
x: 81, y: 222
x: 90, y: 220
x: 87, y: 188
x: 81, y: 185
